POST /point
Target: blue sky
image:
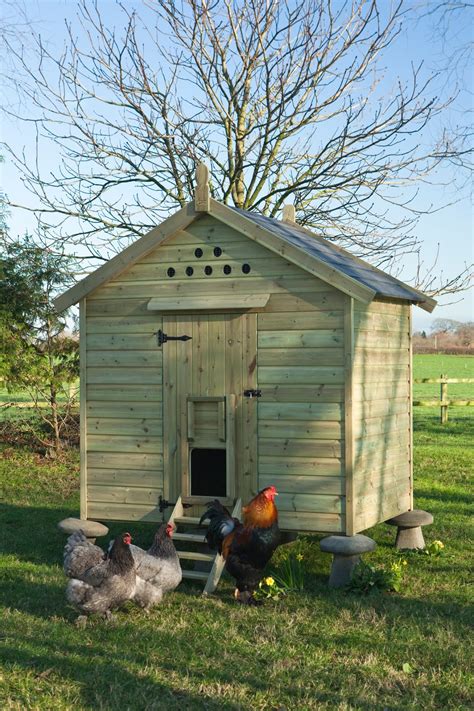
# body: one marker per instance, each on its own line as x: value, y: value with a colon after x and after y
x: 450, y: 228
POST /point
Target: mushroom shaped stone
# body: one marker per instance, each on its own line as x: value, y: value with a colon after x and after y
x: 409, y: 533
x: 91, y: 529
x: 346, y: 551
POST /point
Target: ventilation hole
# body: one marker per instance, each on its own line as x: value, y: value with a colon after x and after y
x: 217, y: 251
x: 208, y: 270
x: 246, y: 268
x: 198, y: 253
x: 227, y: 269
x: 171, y: 272
x: 189, y: 271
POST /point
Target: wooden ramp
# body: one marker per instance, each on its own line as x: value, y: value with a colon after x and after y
x: 187, y: 530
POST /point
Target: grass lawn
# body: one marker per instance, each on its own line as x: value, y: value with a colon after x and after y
x: 314, y: 650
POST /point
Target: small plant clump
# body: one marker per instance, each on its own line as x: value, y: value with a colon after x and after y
x: 268, y: 589
x: 367, y: 578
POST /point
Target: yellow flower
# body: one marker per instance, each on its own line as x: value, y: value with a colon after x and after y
x: 405, y: 563
x: 299, y: 556
x: 439, y: 544
x: 269, y: 582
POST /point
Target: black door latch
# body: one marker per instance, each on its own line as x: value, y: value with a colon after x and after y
x: 163, y: 337
x: 252, y: 393
x: 164, y: 504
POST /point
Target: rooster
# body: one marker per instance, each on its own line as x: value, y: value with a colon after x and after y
x: 248, y: 546
x: 158, y: 570
x: 106, y: 583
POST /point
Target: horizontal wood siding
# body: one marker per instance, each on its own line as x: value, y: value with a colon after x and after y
x: 381, y: 412
x: 300, y: 413
x: 124, y: 414
x: 300, y: 370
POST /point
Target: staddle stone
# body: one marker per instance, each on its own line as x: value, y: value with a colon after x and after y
x: 411, y: 519
x: 348, y: 545
x: 409, y: 533
x: 346, y: 552
x: 91, y: 529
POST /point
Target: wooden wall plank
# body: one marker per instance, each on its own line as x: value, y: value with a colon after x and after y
x: 302, y: 393
x: 130, y: 410
x: 310, y: 503
x: 124, y: 443
x: 143, y: 461
x: 299, y: 447
x: 125, y: 426
x: 300, y: 411
x: 301, y: 321
x: 301, y: 429
x: 124, y: 494
x: 301, y: 375
x: 304, y: 485
x: 126, y: 477
x: 331, y: 339
x: 124, y: 376
x: 299, y: 466
x: 301, y: 356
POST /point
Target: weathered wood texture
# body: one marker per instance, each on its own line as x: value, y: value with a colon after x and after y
x: 382, y: 481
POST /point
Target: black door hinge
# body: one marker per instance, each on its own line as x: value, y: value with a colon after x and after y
x: 252, y: 393
x: 163, y: 337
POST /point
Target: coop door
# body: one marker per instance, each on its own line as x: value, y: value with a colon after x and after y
x: 211, y: 446
x: 209, y: 426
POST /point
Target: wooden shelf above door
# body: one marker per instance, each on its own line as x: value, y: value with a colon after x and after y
x: 221, y: 302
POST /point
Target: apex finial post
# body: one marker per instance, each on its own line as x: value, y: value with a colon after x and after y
x: 289, y: 213
x: 201, y: 193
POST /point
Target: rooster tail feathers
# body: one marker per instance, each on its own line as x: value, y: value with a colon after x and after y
x: 221, y: 523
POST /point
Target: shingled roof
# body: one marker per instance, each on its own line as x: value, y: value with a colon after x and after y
x: 383, y: 284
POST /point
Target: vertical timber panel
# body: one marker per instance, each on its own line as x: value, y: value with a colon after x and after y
x: 234, y: 387
x: 184, y: 387
x: 249, y: 408
x: 348, y: 413
x: 83, y: 404
x: 170, y: 424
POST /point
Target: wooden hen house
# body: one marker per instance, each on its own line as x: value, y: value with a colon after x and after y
x: 225, y: 351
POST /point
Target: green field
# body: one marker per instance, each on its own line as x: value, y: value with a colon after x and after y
x: 316, y: 650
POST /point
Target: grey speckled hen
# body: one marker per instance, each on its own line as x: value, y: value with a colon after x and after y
x: 158, y: 570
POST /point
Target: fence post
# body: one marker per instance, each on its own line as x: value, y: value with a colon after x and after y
x: 444, y: 398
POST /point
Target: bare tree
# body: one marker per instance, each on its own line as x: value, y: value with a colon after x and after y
x: 284, y: 101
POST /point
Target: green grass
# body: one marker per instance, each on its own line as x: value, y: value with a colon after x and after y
x: 319, y: 649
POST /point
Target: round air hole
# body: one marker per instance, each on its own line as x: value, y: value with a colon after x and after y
x: 246, y: 268
x: 208, y: 270
x: 217, y: 251
x: 198, y: 252
x: 189, y: 271
x: 171, y: 272
x: 227, y: 269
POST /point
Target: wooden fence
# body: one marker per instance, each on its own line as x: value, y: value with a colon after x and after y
x: 443, y: 403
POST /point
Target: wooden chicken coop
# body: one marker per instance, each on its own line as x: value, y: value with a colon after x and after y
x: 225, y: 351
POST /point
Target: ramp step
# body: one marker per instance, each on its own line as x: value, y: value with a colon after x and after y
x: 191, y: 555
x: 194, y: 520
x: 197, y: 538
x: 195, y: 575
